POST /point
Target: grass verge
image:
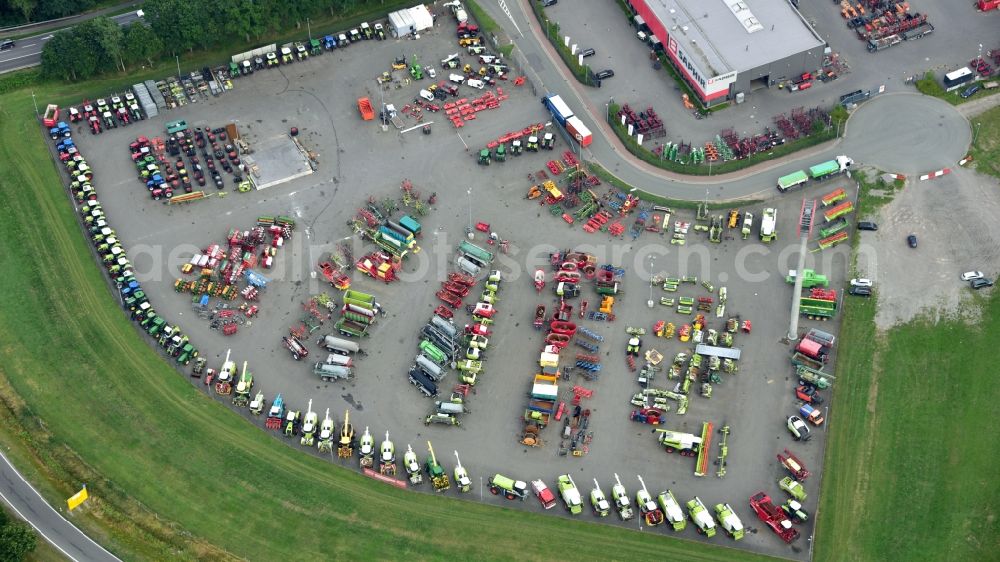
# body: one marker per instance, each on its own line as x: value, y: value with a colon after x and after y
x: 704, y: 169
x: 552, y: 33
x: 901, y: 459
x: 655, y: 199
x: 875, y: 192
x: 986, y: 148
x: 487, y: 24
x: 929, y: 85
x: 172, y: 474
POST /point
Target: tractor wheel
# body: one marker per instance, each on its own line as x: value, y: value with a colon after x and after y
x: 494, y: 491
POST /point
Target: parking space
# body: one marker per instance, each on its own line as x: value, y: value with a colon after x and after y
x: 356, y: 160
x: 955, y: 41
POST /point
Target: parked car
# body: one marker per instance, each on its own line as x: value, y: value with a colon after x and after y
x: 6, y: 44
x: 861, y: 282
x: 798, y: 428
x: 970, y: 91
x: 867, y: 225
x: 604, y: 74
x: 970, y: 275
x: 547, y: 3
x: 861, y: 291
x: 980, y: 283
x: 587, y: 53
x: 911, y: 240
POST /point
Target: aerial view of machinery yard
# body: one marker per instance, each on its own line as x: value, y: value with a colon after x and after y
x: 493, y: 280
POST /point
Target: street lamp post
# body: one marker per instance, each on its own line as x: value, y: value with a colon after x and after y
x: 649, y: 303
x: 35, y: 103
x: 974, y: 136
x: 178, y: 59
x: 469, y: 229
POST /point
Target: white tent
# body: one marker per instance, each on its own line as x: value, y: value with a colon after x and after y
x: 400, y: 23
x: 411, y: 20
x: 422, y: 18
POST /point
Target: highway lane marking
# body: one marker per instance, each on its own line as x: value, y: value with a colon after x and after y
x: 21, y: 57
x: 32, y: 488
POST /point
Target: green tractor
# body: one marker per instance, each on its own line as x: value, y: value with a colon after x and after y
x: 293, y: 422
x: 501, y: 153
x: 188, y: 352
x: 484, y: 157
x: 439, y: 478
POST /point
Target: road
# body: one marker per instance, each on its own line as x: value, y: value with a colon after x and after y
x: 890, y: 128
x: 27, y: 52
x: 29, y: 505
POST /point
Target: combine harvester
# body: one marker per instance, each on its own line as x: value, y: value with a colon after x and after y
x: 701, y: 518
x: 729, y: 521
x: 672, y: 510
x: 689, y: 445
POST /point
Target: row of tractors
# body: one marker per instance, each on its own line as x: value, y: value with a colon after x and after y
x: 113, y: 256
x: 104, y: 114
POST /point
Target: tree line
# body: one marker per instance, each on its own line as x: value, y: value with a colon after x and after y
x: 171, y: 27
x: 17, y: 540
x: 19, y: 12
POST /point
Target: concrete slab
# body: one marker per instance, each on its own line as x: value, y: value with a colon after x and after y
x: 276, y: 160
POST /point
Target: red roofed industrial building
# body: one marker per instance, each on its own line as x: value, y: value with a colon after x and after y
x: 724, y: 49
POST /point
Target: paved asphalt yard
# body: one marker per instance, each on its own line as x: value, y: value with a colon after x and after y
x: 356, y: 160
x: 604, y: 27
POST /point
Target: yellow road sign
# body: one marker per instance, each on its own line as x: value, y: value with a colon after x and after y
x: 76, y: 499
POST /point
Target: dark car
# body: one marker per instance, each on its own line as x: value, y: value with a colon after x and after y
x: 603, y: 74
x: 547, y: 3
x: 587, y: 53
x: 980, y: 283
x: 912, y: 240
x: 970, y: 91
x: 861, y: 291
x: 867, y: 225
x: 6, y: 44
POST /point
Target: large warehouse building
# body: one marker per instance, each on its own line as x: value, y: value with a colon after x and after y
x: 726, y: 48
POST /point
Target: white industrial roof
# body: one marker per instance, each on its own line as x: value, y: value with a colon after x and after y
x: 727, y: 35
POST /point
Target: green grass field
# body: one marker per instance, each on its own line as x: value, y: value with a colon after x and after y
x: 910, y: 462
x: 173, y: 474
x: 986, y: 148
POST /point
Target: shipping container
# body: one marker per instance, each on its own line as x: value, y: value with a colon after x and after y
x: 560, y: 111
x: 579, y: 131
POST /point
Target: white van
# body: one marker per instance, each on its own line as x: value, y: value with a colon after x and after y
x: 478, y: 84
x: 456, y: 78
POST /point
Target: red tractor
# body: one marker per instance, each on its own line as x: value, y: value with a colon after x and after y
x: 651, y: 416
